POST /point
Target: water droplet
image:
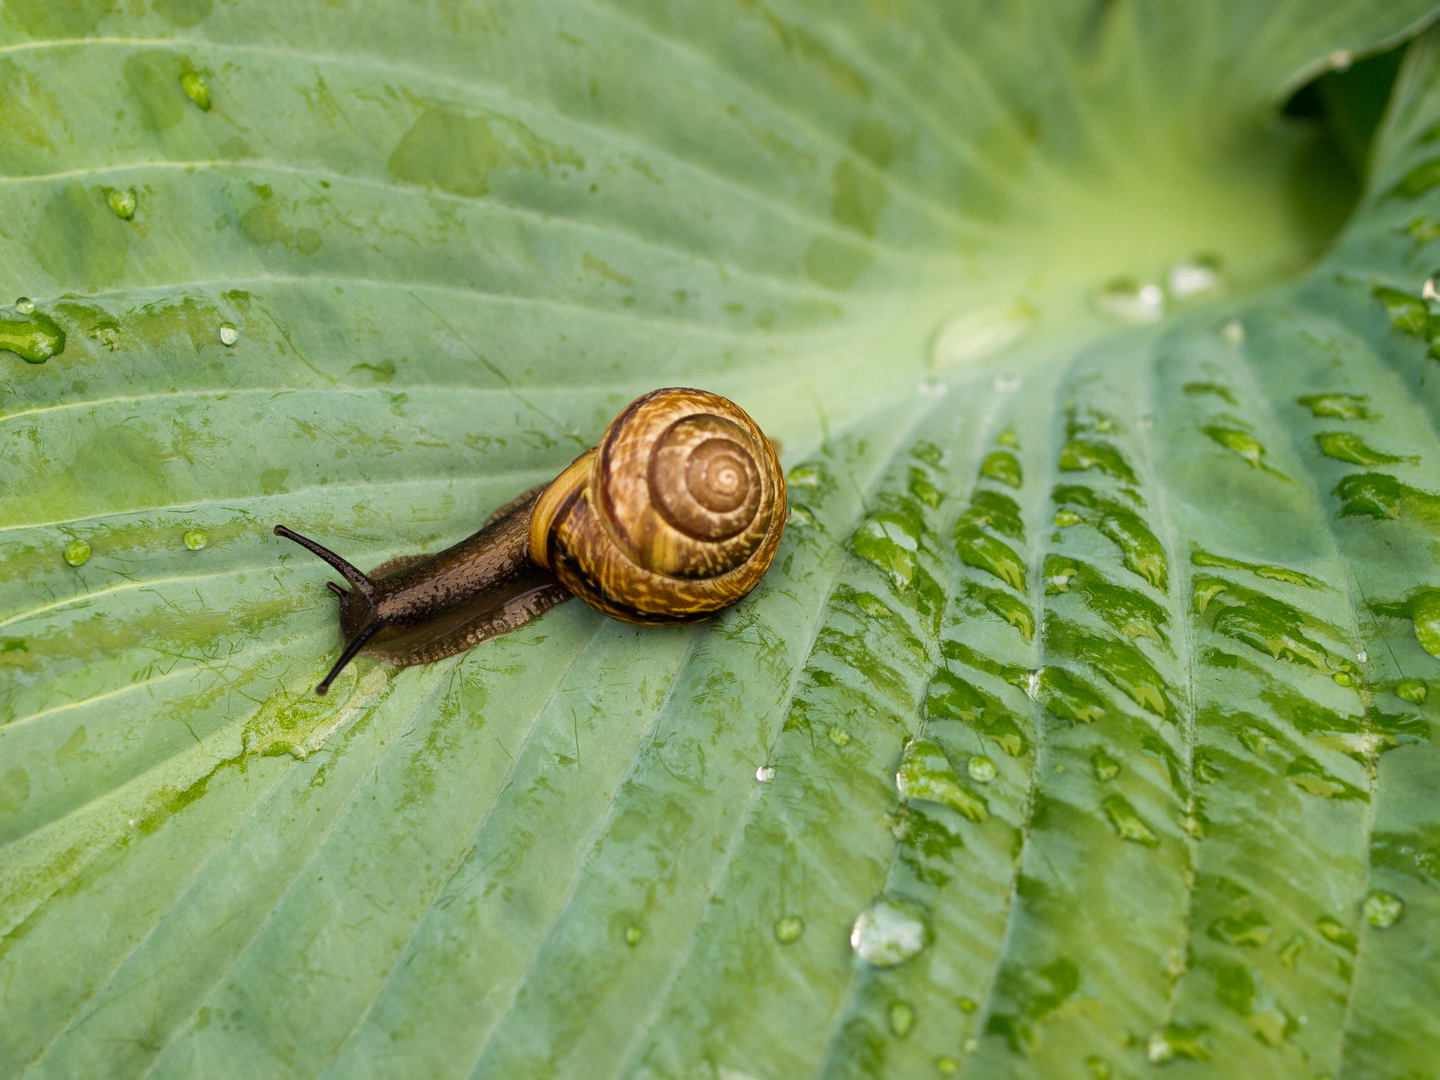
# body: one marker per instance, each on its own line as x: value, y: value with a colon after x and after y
x: 77, y: 552
x: 1194, y: 277
x: 1383, y: 910
x: 195, y: 86
x: 902, y: 1019
x: 1233, y: 332
x: 1343, y: 678
x: 967, y: 1005
x: 1175, y: 1042
x: 1414, y: 691
x: 1032, y: 681
x: 889, y: 932
x: 1340, y: 59
x: 196, y: 539
x: 926, y: 774
x: 1428, y: 292
x: 633, y: 934
x: 970, y: 1045
x: 839, y: 736
x: 1131, y: 300
x: 24, y: 305
x: 982, y: 769
x: 1362, y: 656
x: 1007, y: 384
x: 1425, y: 615
x: 946, y: 1066
x: 34, y: 337
x: 789, y: 928
x: 932, y: 387
x: 974, y: 335
x: 765, y: 773
x: 123, y: 202
x: 228, y: 334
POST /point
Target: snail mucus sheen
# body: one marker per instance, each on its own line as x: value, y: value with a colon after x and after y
x: 674, y: 516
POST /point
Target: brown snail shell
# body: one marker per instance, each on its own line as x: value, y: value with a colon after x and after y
x: 674, y: 516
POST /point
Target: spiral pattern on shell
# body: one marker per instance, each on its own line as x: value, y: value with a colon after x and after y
x: 674, y: 516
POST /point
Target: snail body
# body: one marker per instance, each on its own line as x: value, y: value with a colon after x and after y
x: 674, y: 516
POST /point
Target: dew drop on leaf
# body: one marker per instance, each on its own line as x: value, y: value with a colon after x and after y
x: 633, y: 934
x: 1175, y: 1041
x: 1190, y: 278
x: 889, y: 932
x: 1382, y: 909
x: 902, y: 1019
x: 1337, y: 405
x: 1414, y: 691
x: 765, y: 773
x: 982, y: 769
x: 24, y: 305
x: 926, y: 774
x: 932, y: 387
x: 196, y: 539
x: 34, y: 337
x: 1425, y: 614
x: 228, y: 334
x: 197, y: 90
x: 122, y: 201
x: 788, y: 928
x: 77, y: 552
x: 1131, y: 300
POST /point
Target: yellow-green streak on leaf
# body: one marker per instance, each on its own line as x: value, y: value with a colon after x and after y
x: 1003, y: 466
x: 926, y: 774
x: 1264, y: 570
x: 1127, y: 822
x: 994, y: 556
x: 1079, y: 455
x: 1345, y: 446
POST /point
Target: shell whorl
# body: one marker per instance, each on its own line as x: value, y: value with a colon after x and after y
x: 675, y: 515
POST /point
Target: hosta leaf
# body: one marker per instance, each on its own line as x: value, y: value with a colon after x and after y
x: 1082, y: 726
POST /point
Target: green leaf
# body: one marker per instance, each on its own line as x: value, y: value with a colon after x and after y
x: 1109, y: 420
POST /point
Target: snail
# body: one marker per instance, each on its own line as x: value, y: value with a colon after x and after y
x: 674, y: 516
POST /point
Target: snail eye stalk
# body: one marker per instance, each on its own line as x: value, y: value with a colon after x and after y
x: 351, y: 573
x: 351, y: 650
